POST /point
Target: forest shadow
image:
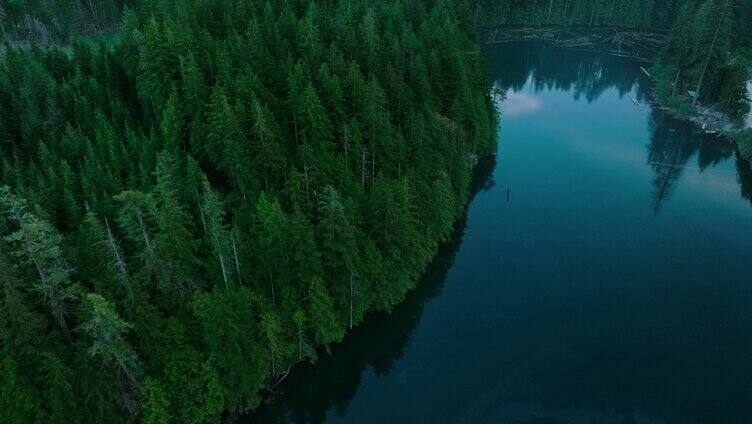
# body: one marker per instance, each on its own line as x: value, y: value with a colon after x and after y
x: 312, y: 390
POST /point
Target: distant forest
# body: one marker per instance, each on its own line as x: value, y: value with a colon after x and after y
x: 56, y: 21
x: 708, y: 49
x: 221, y: 191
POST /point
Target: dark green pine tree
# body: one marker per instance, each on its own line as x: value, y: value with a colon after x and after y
x: 230, y: 333
x: 37, y: 246
x: 174, y: 244
x: 341, y: 256
x: 218, y: 237
x: 106, y: 332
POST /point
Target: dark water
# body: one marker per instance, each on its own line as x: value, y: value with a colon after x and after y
x: 614, y: 285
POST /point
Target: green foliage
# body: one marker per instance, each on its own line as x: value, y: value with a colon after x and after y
x: 19, y: 400
x: 706, y: 56
x: 106, y: 330
x: 325, y: 325
x: 108, y: 344
x: 594, y: 13
x: 156, y: 404
x: 220, y: 190
x: 233, y: 339
x: 37, y: 246
x: 195, y: 394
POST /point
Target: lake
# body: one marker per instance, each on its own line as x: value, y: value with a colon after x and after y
x: 602, y: 273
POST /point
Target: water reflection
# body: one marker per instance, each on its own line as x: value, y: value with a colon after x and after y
x: 312, y: 390
x: 744, y: 177
x: 588, y: 74
x: 673, y: 144
x: 570, y: 302
x: 517, y: 103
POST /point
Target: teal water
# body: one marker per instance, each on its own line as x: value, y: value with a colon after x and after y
x: 601, y: 274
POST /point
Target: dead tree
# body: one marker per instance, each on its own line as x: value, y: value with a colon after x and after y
x: 707, y: 60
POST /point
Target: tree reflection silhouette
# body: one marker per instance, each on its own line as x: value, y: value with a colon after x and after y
x: 588, y: 75
x: 314, y: 389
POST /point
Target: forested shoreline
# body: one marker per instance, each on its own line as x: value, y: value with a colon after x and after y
x: 707, y: 55
x: 223, y: 192
x: 228, y: 187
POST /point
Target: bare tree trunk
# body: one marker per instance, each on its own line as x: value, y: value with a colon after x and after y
x: 305, y: 176
x: 346, y: 143
x: 147, y: 241
x: 119, y: 260
x: 224, y: 271
x: 271, y: 283
x: 237, y: 262
x: 373, y: 166
x: 363, y: 169
x: 707, y: 60
x: 676, y: 83
x: 95, y: 15
x: 550, y: 7
x: 80, y: 13
x: 611, y: 13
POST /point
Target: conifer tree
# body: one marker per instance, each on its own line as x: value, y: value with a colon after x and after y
x: 106, y: 331
x: 38, y: 246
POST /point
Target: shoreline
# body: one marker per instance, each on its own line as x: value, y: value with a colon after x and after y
x: 705, y: 118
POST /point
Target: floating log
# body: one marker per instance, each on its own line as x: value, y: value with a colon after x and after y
x: 639, y: 45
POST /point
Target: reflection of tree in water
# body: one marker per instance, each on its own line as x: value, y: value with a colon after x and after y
x: 672, y: 144
x: 588, y: 74
x: 744, y: 176
x: 313, y: 389
x: 668, y: 152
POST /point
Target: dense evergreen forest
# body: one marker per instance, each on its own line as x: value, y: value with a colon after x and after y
x: 49, y: 21
x: 653, y: 14
x: 223, y: 192
x: 708, y: 52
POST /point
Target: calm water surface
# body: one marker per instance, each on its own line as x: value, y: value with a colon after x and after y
x: 612, y: 285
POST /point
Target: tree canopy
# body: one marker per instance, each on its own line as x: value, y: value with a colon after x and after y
x: 193, y: 208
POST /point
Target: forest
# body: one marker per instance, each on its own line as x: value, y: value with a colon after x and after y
x: 708, y: 52
x: 642, y: 14
x: 56, y: 21
x: 223, y: 191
